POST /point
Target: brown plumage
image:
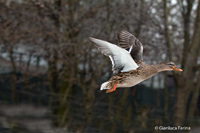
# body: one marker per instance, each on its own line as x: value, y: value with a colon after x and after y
x: 130, y: 69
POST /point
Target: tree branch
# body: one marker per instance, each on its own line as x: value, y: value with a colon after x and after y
x: 167, y: 34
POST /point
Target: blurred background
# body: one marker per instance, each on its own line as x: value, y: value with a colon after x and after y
x: 50, y: 74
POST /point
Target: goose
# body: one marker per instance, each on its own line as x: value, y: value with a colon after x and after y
x: 128, y: 66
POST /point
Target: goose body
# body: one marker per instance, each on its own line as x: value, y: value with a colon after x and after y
x: 128, y: 65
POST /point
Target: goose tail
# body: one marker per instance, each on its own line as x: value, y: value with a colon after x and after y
x: 105, y: 85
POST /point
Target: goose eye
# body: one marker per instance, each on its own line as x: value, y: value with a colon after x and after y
x: 171, y: 64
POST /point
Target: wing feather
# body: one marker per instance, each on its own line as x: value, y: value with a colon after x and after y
x: 120, y: 58
x: 127, y: 40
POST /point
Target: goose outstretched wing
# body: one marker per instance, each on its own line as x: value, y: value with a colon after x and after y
x: 128, y: 40
x: 120, y: 58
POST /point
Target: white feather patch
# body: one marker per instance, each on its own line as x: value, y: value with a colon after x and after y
x: 130, y: 49
x: 103, y: 86
x: 113, y: 64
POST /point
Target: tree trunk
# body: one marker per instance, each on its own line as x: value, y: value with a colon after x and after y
x: 14, y: 71
x: 193, y: 103
x: 186, y: 19
x: 180, y: 101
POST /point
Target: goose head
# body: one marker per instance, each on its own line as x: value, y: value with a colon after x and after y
x: 167, y: 66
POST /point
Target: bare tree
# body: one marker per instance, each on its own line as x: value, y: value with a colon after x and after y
x: 186, y: 82
x: 57, y: 31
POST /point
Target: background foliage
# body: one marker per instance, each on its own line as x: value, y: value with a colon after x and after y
x: 51, y: 73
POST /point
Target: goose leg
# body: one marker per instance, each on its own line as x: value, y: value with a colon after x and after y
x: 113, y: 89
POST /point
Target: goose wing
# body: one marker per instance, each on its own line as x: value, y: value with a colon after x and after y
x: 128, y: 40
x: 120, y: 58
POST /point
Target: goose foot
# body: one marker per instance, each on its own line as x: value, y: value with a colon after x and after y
x: 113, y: 89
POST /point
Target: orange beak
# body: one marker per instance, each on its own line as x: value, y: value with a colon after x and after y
x: 176, y: 69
